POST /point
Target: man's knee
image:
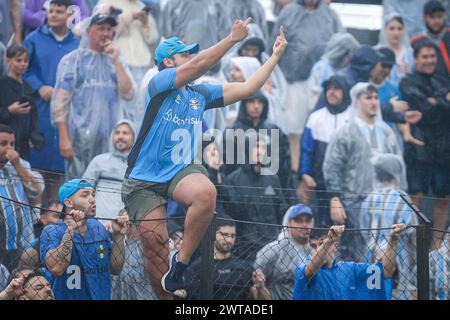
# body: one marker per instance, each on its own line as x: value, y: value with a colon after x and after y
x: 206, y: 198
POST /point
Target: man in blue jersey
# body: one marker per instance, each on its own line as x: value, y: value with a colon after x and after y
x: 321, y: 278
x: 78, y: 252
x: 160, y: 163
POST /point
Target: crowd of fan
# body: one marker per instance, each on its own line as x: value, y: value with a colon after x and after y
x: 358, y: 125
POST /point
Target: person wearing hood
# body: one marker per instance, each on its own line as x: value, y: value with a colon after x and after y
x: 382, y: 208
x: 411, y: 13
x: 242, y: 68
x: 258, y: 198
x: 347, y: 169
x: 310, y: 25
x: 89, y: 84
x: 428, y: 167
x: 106, y: 171
x: 277, y: 261
x: 438, y: 32
x: 394, y: 37
x: 320, y: 128
x: 336, y: 56
x: 365, y: 62
x: 253, y: 114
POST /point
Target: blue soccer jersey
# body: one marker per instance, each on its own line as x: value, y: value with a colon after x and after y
x: 171, y: 127
x: 343, y: 281
x: 88, y: 275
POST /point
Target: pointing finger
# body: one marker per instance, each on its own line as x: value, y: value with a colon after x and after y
x: 248, y: 21
x: 282, y: 34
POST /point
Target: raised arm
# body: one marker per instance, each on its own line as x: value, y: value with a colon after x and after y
x: 233, y: 92
x: 390, y: 255
x: 320, y: 257
x: 206, y: 59
x: 58, y: 259
x: 117, y: 259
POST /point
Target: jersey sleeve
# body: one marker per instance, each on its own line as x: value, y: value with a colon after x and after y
x: 50, y: 239
x: 213, y: 96
x: 300, y: 282
x: 162, y: 81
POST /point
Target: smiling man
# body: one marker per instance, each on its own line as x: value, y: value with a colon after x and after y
x: 429, y: 166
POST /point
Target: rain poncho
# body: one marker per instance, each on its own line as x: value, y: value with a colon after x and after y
x: 106, y: 171
x: 383, y: 208
x: 242, y: 9
x: 307, y: 32
x: 196, y: 21
x: 404, y: 58
x: 45, y: 53
x: 348, y: 168
x: 86, y: 97
x: 412, y: 13
x: 339, y: 47
x: 276, y: 96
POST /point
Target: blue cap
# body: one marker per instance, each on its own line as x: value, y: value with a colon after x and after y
x: 169, y: 47
x: 70, y: 187
x: 298, y: 210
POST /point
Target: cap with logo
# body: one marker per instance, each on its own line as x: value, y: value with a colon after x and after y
x: 70, y: 187
x: 169, y: 47
x: 299, y: 209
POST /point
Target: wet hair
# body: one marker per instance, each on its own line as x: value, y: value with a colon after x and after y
x: 224, y: 223
x: 318, y: 232
x: 17, y: 270
x: 65, y: 3
x: 383, y: 175
x: 370, y: 89
x: 15, y: 50
x: 6, y: 129
x: 32, y: 275
x: 423, y: 43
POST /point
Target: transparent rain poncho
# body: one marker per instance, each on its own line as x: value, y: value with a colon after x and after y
x: 86, y: 97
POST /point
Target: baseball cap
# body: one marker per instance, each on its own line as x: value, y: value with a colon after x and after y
x: 298, y: 210
x: 102, y: 18
x: 388, y: 56
x: 169, y: 47
x: 433, y: 6
x: 70, y: 187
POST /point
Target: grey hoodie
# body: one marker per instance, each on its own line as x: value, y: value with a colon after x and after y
x: 106, y: 171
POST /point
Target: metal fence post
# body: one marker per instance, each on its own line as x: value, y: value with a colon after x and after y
x: 422, y: 251
x: 207, y: 263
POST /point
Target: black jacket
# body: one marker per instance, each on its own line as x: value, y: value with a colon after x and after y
x: 434, y: 127
x: 25, y: 126
x: 244, y: 122
x: 258, y: 198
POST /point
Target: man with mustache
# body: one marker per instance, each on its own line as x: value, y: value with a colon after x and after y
x: 232, y: 275
x: 429, y: 165
x: 106, y: 171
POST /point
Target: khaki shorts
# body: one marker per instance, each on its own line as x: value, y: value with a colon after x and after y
x: 141, y: 197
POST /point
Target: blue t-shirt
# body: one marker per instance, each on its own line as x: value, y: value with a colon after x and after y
x: 171, y: 127
x: 88, y: 275
x: 343, y: 281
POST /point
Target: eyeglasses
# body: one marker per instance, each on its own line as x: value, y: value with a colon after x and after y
x: 227, y: 235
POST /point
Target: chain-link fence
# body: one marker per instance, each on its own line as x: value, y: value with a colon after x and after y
x: 237, y: 258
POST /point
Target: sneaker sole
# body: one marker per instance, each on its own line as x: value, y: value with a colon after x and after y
x: 181, y: 293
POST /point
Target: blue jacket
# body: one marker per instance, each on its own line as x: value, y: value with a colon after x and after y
x: 45, y: 54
